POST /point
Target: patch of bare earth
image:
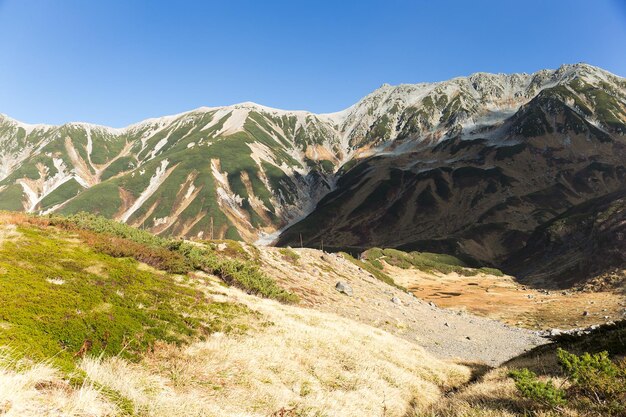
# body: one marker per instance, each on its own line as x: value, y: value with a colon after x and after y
x: 504, y: 299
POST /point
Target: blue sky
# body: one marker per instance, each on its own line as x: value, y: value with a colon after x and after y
x: 116, y: 62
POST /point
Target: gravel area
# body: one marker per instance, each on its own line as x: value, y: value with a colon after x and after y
x: 445, y: 333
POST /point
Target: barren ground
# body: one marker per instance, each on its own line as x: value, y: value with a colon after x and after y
x: 446, y: 333
x: 504, y: 299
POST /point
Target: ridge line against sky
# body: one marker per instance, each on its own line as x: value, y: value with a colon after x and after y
x: 114, y: 63
x: 244, y: 104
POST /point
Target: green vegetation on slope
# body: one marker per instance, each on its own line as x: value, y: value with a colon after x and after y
x: 177, y: 256
x: 424, y: 261
x: 289, y: 255
x: 81, y: 299
x: 596, y: 385
x: 376, y: 272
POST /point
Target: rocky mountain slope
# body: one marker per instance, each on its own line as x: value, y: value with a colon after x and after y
x: 231, y: 172
x: 481, y: 189
x: 587, y: 242
x: 461, y: 336
x: 468, y: 166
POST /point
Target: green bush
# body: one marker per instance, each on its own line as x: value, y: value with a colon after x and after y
x: 172, y: 255
x: 423, y: 261
x: 289, y: 255
x: 230, y: 248
x: 597, y: 385
x: 377, y: 264
x: 544, y: 393
x: 374, y: 254
x: 377, y: 273
x: 491, y: 271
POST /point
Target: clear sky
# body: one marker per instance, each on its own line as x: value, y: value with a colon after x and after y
x: 116, y: 62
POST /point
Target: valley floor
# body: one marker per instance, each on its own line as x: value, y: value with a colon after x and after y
x: 506, y: 300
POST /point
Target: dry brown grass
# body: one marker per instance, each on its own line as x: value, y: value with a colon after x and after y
x: 305, y: 362
x: 506, y: 300
x: 40, y: 390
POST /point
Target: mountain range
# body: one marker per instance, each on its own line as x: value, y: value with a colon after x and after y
x: 471, y: 166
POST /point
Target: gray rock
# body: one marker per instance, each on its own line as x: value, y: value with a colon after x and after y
x: 344, y: 288
x: 556, y: 332
x: 396, y: 300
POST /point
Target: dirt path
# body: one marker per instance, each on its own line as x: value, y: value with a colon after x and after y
x: 446, y: 333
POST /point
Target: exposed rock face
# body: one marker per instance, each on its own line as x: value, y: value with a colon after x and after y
x: 481, y: 192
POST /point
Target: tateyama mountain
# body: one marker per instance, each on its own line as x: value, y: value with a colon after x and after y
x: 470, y: 166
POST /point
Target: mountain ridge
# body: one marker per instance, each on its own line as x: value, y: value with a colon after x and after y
x: 246, y: 171
x: 563, y: 69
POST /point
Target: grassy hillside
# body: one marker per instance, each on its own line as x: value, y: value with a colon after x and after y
x: 424, y: 261
x: 101, y: 319
x: 68, y: 290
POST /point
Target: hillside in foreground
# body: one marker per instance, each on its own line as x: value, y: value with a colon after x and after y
x: 117, y: 321
x: 94, y: 331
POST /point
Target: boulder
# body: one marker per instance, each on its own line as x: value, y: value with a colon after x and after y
x: 344, y: 288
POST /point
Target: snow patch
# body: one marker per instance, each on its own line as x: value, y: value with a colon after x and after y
x: 155, y: 182
x: 236, y: 119
x: 190, y: 191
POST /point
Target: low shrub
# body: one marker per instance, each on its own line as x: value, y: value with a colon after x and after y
x: 377, y: 264
x: 596, y: 385
x: 289, y: 255
x: 229, y: 248
x: 173, y: 255
x: 542, y: 392
x: 377, y: 273
x: 157, y: 257
x: 491, y: 271
x: 424, y: 261
x: 82, y: 300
